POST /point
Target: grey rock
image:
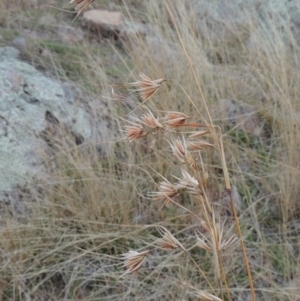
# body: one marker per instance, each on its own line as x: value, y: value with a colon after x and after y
x: 222, y: 21
x: 157, y: 45
x: 68, y: 93
x: 286, y: 14
x: 70, y: 35
x: 34, y: 107
x: 20, y: 43
x: 131, y: 31
x: 242, y: 21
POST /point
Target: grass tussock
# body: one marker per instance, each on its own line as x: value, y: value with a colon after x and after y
x: 175, y: 227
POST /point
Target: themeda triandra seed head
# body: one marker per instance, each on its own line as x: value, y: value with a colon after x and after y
x: 147, y: 87
x: 198, y: 145
x: 166, y: 192
x: 150, y: 121
x: 134, y: 131
x: 203, y: 243
x: 189, y: 183
x: 133, y: 261
x: 168, y: 241
x: 179, y: 149
x: 198, y: 134
x: 175, y: 119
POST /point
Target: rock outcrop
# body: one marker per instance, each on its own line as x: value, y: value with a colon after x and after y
x: 34, y: 111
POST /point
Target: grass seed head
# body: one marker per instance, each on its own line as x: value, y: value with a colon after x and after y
x: 189, y: 183
x: 147, y: 87
x: 133, y: 261
x: 134, y: 131
x: 216, y: 240
x: 179, y: 149
x: 175, y: 119
x: 150, y: 121
x: 198, y: 145
x: 166, y: 192
x: 190, y: 160
x: 203, y: 244
x: 198, y: 134
x: 168, y: 241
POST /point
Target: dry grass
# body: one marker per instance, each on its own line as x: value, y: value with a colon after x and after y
x: 67, y: 244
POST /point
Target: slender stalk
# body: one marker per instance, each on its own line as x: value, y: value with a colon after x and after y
x: 224, y: 278
x: 242, y: 246
x: 223, y: 162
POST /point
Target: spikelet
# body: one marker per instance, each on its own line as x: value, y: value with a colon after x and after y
x: 198, y: 145
x: 179, y: 149
x: 134, y: 131
x: 147, y: 87
x: 166, y: 192
x: 189, y: 183
x: 175, y: 119
x: 168, y: 241
x: 150, y: 121
x: 133, y: 261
